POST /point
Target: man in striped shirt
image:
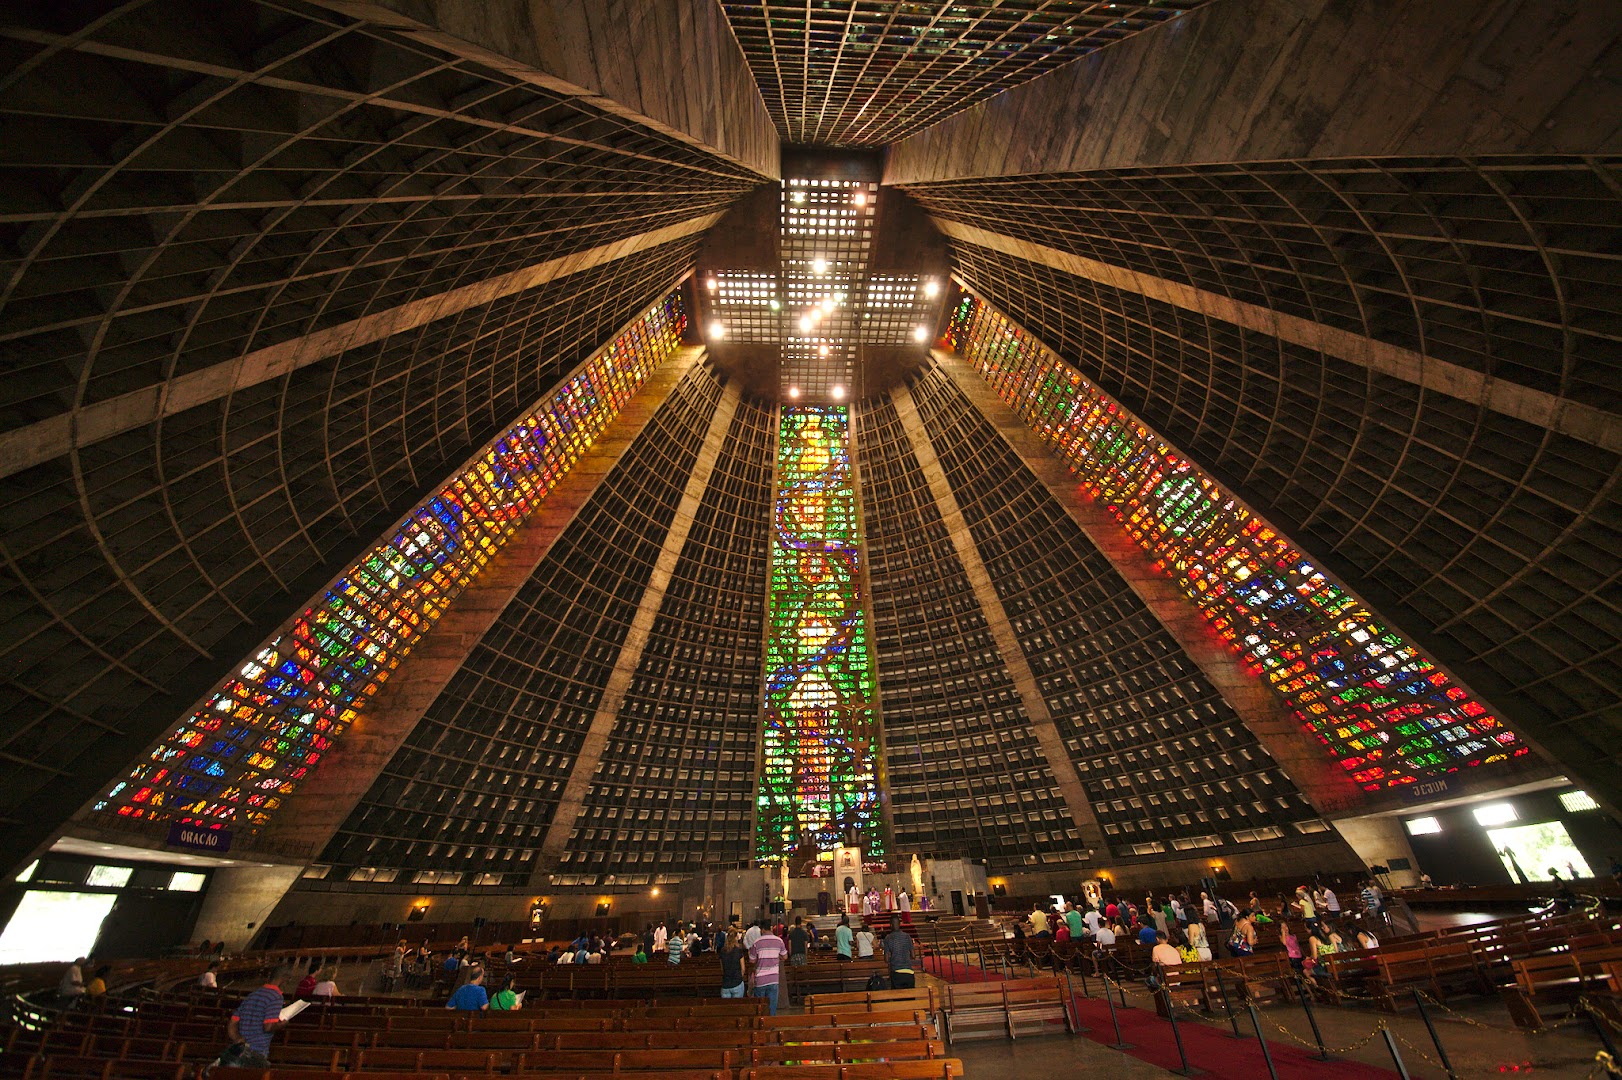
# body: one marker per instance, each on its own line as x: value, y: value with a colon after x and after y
x: 766, y: 958
x: 254, y: 1022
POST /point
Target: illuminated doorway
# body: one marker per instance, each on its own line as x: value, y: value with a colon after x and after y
x: 1536, y: 852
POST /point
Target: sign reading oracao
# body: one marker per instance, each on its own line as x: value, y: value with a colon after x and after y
x: 196, y: 838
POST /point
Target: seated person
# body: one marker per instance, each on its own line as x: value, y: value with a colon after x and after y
x: 1164, y: 952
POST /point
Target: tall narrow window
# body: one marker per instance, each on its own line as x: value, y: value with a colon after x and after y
x: 819, y: 777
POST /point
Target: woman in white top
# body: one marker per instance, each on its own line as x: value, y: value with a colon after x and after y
x: 864, y: 942
x: 325, y: 986
x: 208, y: 977
x: 1198, y: 941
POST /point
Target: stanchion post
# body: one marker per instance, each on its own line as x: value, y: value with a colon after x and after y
x: 1227, y: 1006
x: 1424, y: 1014
x: 1177, y: 1035
x: 980, y: 950
x: 1267, y: 1055
x: 1072, y: 1013
x: 1600, y: 1030
x: 1119, y: 1044
x: 1391, y: 1045
x: 1306, y: 1003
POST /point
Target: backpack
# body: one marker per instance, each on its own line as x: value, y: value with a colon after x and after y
x: 1238, y: 945
x: 877, y: 982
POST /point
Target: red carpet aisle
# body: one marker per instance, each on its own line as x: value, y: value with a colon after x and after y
x: 1210, y: 1049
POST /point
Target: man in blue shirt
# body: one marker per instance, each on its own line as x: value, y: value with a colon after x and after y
x: 470, y: 996
x: 1147, y: 936
x: 254, y: 1022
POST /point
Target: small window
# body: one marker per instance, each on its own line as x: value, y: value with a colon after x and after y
x: 1575, y: 802
x: 1495, y: 814
x: 1423, y: 826
x: 28, y: 871
x: 187, y: 882
x: 110, y: 877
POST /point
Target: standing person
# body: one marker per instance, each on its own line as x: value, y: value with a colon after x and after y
x: 751, y: 935
x: 673, y: 946
x: 732, y: 956
x: 660, y: 937
x: 1039, y: 921
x: 904, y: 902
x: 864, y: 943
x: 506, y: 999
x: 853, y: 899
x: 394, y: 969
x: 1331, y: 904
x: 765, y: 960
x: 898, y: 954
x: 1305, y: 907
x: 842, y: 938
x: 471, y: 996
x: 1198, y: 941
x: 1073, y: 919
x: 306, y: 985
x: 252, y: 1025
x: 798, y: 942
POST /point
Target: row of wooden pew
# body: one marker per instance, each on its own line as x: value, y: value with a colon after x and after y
x: 1525, y: 960
x: 700, y: 976
x: 731, y: 1039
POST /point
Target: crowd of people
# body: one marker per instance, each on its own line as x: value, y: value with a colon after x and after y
x: 1181, y: 929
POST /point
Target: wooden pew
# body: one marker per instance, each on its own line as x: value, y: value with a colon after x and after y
x: 934, y: 1069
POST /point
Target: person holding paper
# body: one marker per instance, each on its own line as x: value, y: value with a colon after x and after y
x: 253, y: 1023
x: 506, y: 999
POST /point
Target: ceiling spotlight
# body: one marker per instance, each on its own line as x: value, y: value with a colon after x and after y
x: 776, y: 305
x: 822, y: 350
x: 838, y: 392
x: 931, y: 287
x: 797, y: 198
x: 794, y: 392
x: 711, y: 285
x: 717, y: 331
x: 819, y: 266
x: 805, y: 324
x: 859, y: 199
x: 920, y: 333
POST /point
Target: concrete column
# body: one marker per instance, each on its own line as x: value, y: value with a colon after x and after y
x: 573, y: 798
x: 1586, y: 423
x: 1327, y: 787
x: 1002, y: 631
x: 239, y: 900
x: 301, y: 829
x: 43, y: 440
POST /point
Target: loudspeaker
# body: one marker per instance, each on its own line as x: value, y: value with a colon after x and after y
x: 478, y: 922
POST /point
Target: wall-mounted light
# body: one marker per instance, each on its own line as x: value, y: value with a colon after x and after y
x: 822, y: 350
x: 859, y: 198
x: 920, y: 333
x: 931, y: 287
x: 805, y: 324
x: 418, y: 911
x: 656, y: 890
x: 797, y: 198
x: 717, y: 331
x: 711, y: 285
x: 794, y: 393
x: 838, y: 392
x: 819, y: 266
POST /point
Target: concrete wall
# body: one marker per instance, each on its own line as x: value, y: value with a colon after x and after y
x: 240, y: 900
x: 1248, y: 80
